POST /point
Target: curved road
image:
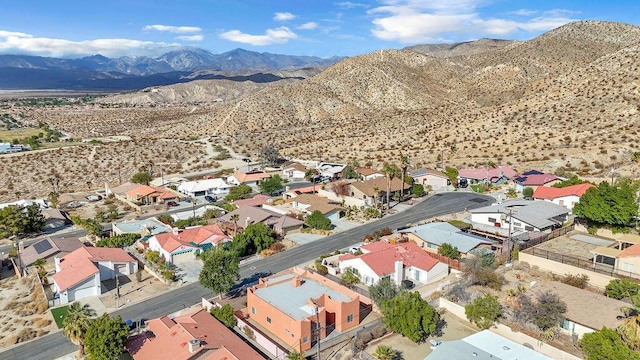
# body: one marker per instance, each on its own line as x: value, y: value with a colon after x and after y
x: 55, y: 345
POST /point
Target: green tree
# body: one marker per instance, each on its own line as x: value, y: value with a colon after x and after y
x: 255, y: 238
x: 410, y: 315
x: 92, y: 226
x: 385, y: 352
x: 527, y: 192
x: 615, y: 206
x: 242, y: 191
x: 452, y: 173
x: 449, y: 251
x: 226, y: 315
x: 76, y: 323
x: 391, y: 171
x: 484, y: 311
x: 418, y: 190
x: 294, y: 355
x: 106, y: 338
x: 629, y: 331
x: 220, y: 270
x: 383, y: 290
x: 235, y: 218
x: 573, y: 180
x: 118, y: 241
x: 142, y: 177
x: 349, y: 172
x: 152, y: 256
x: 270, y: 155
x: 621, y: 288
x: 19, y: 220
x: 606, y: 344
x: 318, y: 221
x: 271, y: 185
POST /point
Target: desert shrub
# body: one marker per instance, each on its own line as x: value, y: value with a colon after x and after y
x: 249, y: 332
x: 267, y: 252
x: 489, y: 278
x: 579, y: 281
x: 363, y: 339
x: 169, y: 275
x: 277, y: 247
x: 378, y: 332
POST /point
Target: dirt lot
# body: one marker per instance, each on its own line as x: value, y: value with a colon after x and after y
x: 131, y: 290
x: 24, y: 313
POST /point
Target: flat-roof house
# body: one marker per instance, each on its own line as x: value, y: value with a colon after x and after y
x: 247, y: 215
x: 141, y: 227
x: 183, y: 245
x: 431, y: 236
x: 428, y: 177
x: 211, y: 187
x: 78, y: 274
x: 526, y: 215
x: 403, y: 261
x: 253, y: 178
x: 495, y: 175
x: 293, y: 171
x: 293, y: 303
x: 485, y: 345
x: 195, y: 335
x: 566, y: 196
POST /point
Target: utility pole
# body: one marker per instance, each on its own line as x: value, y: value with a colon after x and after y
x: 612, y: 172
x: 318, y: 328
x: 509, y: 237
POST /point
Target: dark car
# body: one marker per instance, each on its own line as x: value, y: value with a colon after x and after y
x: 210, y: 198
x: 130, y: 324
x: 172, y: 203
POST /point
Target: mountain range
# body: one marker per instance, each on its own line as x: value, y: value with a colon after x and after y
x: 98, y: 72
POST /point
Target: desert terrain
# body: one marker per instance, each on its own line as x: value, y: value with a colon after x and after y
x: 566, y: 101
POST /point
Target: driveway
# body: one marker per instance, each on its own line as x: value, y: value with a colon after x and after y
x: 188, y: 272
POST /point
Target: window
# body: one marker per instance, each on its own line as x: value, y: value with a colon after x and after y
x: 491, y: 220
x: 269, y: 320
x: 349, y: 318
x: 253, y: 310
x: 528, y: 228
x: 305, y: 339
x: 432, y: 246
x: 517, y: 224
x: 627, y: 266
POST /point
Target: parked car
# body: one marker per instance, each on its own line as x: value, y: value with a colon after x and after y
x: 172, y: 203
x: 93, y: 197
x: 210, y: 198
x: 130, y: 324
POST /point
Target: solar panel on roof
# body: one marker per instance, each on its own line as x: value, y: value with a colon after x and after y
x: 42, y: 246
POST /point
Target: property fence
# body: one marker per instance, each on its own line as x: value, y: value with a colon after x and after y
x: 583, y: 263
x: 453, y: 263
x: 528, y: 240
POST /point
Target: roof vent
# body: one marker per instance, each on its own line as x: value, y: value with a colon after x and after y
x: 506, y: 348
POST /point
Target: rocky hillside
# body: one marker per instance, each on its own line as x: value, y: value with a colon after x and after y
x: 461, y: 49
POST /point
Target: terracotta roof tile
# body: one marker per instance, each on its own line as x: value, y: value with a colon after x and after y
x: 383, y: 260
x: 544, y: 192
x: 197, y: 234
x: 631, y: 251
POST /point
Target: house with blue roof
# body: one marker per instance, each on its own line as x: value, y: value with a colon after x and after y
x: 433, y: 235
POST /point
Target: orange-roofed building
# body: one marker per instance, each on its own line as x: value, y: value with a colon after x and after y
x: 196, y: 335
x: 253, y: 178
x: 184, y: 245
x: 79, y: 274
x: 147, y: 195
x: 293, y: 303
x: 404, y: 261
x: 566, y: 196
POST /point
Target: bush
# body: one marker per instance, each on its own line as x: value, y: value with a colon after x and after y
x: 349, y: 277
x: 621, y: 288
x: 169, y: 275
x: 527, y: 192
x: 225, y: 314
x: 318, y: 221
x: 484, y: 311
x: 489, y: 278
x: 579, y: 281
x: 449, y: 251
x: 418, y: 190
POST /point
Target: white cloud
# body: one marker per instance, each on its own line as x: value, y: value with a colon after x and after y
x: 21, y: 43
x: 173, y: 29
x: 190, y: 38
x: 308, y: 26
x: 283, y: 16
x: 412, y: 21
x: 279, y: 35
x: 352, y: 5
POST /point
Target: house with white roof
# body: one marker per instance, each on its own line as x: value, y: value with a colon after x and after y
x: 431, y: 236
x: 524, y: 215
x: 211, y: 187
x: 330, y: 170
x: 404, y: 261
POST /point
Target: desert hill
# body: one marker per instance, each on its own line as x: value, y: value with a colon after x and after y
x: 461, y: 49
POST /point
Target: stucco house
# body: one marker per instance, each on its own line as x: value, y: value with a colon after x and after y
x: 247, y: 215
x: 367, y: 173
x: 375, y: 190
x: 293, y: 303
x: 183, y: 245
x: 253, y: 178
x: 212, y: 187
x: 431, y: 236
x: 428, y: 177
x: 141, y: 227
x: 190, y: 336
x: 567, y: 196
x: 534, y: 179
x: 46, y: 249
x: 78, y: 274
x: 147, y: 195
x: 309, y: 203
x: 293, y: 171
x: 495, y: 175
x: 403, y: 261
x: 624, y: 257
x: 527, y: 215
x: 330, y: 170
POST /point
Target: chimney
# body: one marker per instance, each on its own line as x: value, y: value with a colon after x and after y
x: 247, y: 221
x: 398, y: 273
x: 20, y: 247
x: 297, y: 282
x: 56, y: 260
x: 175, y: 231
x: 194, y: 345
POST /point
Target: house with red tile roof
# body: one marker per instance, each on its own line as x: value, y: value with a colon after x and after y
x: 147, y: 195
x: 183, y: 245
x: 495, y: 175
x: 78, y: 274
x: 566, y: 196
x: 252, y: 178
x: 195, y: 335
x: 403, y: 261
x: 533, y: 179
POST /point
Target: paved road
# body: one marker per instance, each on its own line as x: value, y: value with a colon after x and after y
x: 55, y: 345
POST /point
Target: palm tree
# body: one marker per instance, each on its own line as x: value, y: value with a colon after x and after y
x: 376, y: 195
x: 391, y: 171
x: 385, y: 352
x: 76, y: 323
x: 235, y: 218
x: 629, y: 330
x: 404, y: 165
x: 311, y: 175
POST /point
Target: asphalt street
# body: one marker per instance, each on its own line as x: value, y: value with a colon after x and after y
x: 56, y: 345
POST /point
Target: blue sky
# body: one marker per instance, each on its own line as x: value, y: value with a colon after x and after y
x: 72, y: 28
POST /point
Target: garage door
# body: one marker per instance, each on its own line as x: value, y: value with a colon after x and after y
x: 185, y: 256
